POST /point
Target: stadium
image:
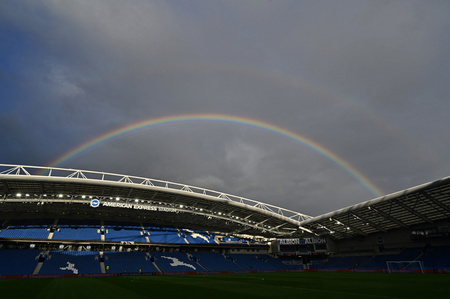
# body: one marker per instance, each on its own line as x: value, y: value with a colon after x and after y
x: 58, y: 222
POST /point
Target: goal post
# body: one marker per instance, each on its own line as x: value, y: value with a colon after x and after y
x: 405, y: 266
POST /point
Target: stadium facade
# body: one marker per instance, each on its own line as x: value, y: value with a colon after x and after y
x: 57, y: 221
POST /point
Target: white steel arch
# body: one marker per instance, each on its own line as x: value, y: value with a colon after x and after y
x: 66, y: 173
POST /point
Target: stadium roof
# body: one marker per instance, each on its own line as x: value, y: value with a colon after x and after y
x: 413, y: 208
x: 42, y: 192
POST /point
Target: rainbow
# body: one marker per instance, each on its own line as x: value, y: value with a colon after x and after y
x: 152, y: 122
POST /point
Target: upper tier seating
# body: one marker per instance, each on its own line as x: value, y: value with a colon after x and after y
x: 129, y: 234
x: 77, y: 233
x: 24, y: 233
x: 198, y: 237
x: 158, y: 235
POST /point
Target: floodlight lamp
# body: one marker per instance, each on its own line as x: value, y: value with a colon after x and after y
x: 117, y: 198
x: 60, y: 195
x: 136, y: 200
x: 83, y: 196
x: 19, y: 194
x: 27, y: 194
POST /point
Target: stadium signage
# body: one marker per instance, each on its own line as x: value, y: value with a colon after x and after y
x: 289, y: 241
x: 315, y: 241
x: 138, y: 207
x: 95, y: 203
x: 302, y: 242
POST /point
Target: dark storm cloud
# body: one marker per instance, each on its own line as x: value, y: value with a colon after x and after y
x: 368, y: 80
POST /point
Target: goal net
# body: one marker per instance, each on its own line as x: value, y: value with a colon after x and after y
x: 405, y: 266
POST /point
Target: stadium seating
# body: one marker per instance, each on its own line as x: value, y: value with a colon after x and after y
x: 131, y: 262
x: 175, y: 262
x: 281, y: 264
x: 78, y: 233
x: 24, y: 233
x: 129, y: 234
x: 214, y: 261
x: 24, y: 261
x: 344, y: 262
x: 365, y: 261
x: 198, y: 237
x: 71, y: 262
x: 379, y: 261
x: 251, y: 262
x: 18, y: 262
x: 158, y: 235
x: 436, y: 258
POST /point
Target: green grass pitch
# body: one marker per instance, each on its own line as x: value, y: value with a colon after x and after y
x: 234, y: 286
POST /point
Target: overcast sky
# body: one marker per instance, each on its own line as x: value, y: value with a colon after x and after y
x: 367, y: 80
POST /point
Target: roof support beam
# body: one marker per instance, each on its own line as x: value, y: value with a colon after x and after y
x: 5, y: 185
x: 412, y: 211
x: 389, y: 217
x: 369, y: 222
x: 41, y: 188
x: 350, y: 227
x: 262, y: 222
x: 436, y: 202
x: 129, y: 192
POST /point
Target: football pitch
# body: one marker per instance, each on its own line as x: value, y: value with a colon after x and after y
x: 234, y: 286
